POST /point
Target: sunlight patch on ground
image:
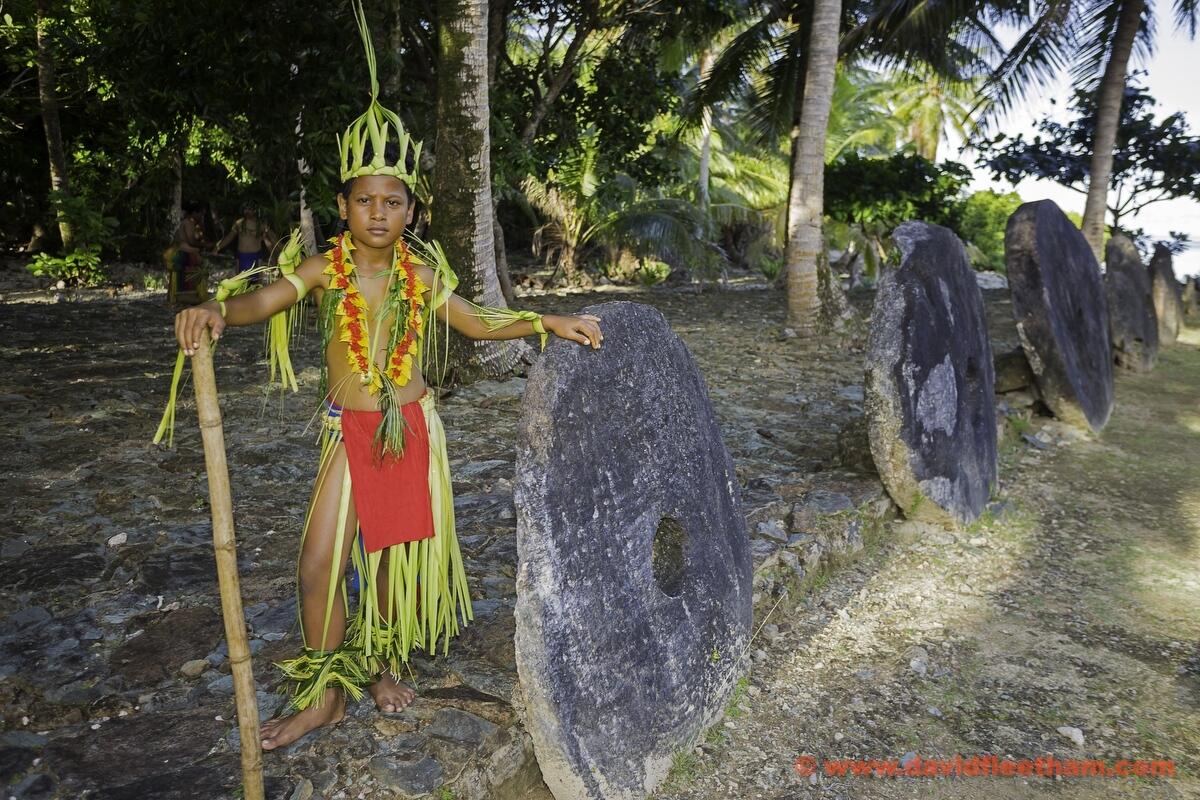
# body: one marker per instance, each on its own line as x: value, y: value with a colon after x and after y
x: 1190, y: 421
x: 935, y: 582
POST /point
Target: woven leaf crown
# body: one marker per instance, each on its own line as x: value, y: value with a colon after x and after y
x: 375, y: 126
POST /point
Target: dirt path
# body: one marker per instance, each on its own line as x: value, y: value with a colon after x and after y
x: 1077, y: 604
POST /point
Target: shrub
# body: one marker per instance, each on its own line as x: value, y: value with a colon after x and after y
x: 80, y: 267
x: 983, y: 216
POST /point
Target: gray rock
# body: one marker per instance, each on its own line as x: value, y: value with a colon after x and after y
x: 627, y: 502
x: 762, y: 549
x: 148, y: 658
x: 460, y: 726
x: 773, y: 529
x: 991, y: 280
x: 1167, y: 295
x: 816, y: 504
x: 61, y: 648
x: 929, y: 381
x: 1061, y: 313
x: 27, y: 618
x: 1131, y: 317
x: 274, y: 623
x: 222, y: 685
x: 407, y: 774
x: 33, y: 787
x: 22, y: 739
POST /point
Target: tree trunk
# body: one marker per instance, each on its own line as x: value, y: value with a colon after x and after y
x: 498, y: 11
x: 308, y: 226
x: 175, y: 213
x: 502, y: 275
x: 706, y: 127
x: 1108, y: 119
x: 462, y: 180
x: 806, y: 198
x: 59, y: 183
x: 557, y: 84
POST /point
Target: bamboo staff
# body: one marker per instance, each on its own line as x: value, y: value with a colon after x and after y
x: 227, y: 573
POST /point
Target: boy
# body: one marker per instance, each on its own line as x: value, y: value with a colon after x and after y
x: 383, y: 493
x: 253, y: 237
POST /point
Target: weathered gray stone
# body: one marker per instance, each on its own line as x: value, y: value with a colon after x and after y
x: 152, y: 655
x: 1061, y: 313
x: 407, y: 774
x: 1191, y: 298
x: 1168, y: 298
x: 1131, y: 315
x: 461, y: 726
x: 125, y: 751
x: 634, y: 586
x: 929, y: 380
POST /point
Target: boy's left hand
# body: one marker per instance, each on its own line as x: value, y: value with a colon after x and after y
x: 583, y: 328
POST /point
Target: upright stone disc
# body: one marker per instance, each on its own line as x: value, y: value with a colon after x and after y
x: 1061, y: 312
x: 634, y: 581
x: 929, y: 380
x: 1131, y: 317
x: 1168, y: 300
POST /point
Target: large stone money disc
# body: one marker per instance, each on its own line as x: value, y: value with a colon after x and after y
x: 1168, y: 302
x: 1061, y: 312
x: 929, y: 380
x: 1131, y: 317
x: 634, y: 580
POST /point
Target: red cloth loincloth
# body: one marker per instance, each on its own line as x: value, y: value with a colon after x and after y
x: 391, y: 496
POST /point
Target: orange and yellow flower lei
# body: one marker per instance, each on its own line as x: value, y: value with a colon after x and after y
x: 351, y: 310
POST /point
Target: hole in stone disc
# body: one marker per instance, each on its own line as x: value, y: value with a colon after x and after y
x: 666, y: 556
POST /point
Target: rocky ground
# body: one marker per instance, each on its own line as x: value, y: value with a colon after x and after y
x: 1075, y: 605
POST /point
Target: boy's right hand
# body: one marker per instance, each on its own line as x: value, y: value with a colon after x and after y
x: 191, y: 322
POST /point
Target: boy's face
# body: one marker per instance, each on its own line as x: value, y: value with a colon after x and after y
x: 377, y: 210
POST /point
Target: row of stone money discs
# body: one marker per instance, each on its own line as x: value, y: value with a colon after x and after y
x: 930, y: 379
x: 634, y: 584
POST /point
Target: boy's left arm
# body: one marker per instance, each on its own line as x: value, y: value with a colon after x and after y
x: 482, y: 322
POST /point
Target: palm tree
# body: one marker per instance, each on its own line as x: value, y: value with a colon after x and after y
x: 769, y: 62
x: 462, y: 180
x: 1108, y: 115
x: 861, y: 117
x: 806, y: 198
x: 580, y: 210
x: 1097, y: 40
x: 927, y: 103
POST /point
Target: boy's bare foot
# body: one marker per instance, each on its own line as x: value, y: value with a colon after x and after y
x: 283, y: 731
x: 391, y: 695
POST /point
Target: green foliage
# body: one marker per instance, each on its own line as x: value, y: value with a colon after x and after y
x: 93, y: 232
x: 80, y: 267
x: 91, y: 227
x: 881, y: 193
x: 866, y: 198
x: 1155, y: 159
x: 770, y: 266
x: 651, y: 272
x: 983, y: 217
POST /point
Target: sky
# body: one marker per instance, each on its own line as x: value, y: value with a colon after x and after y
x: 1170, y: 80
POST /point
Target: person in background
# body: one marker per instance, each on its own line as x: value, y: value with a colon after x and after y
x: 183, y: 257
x: 254, y: 239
